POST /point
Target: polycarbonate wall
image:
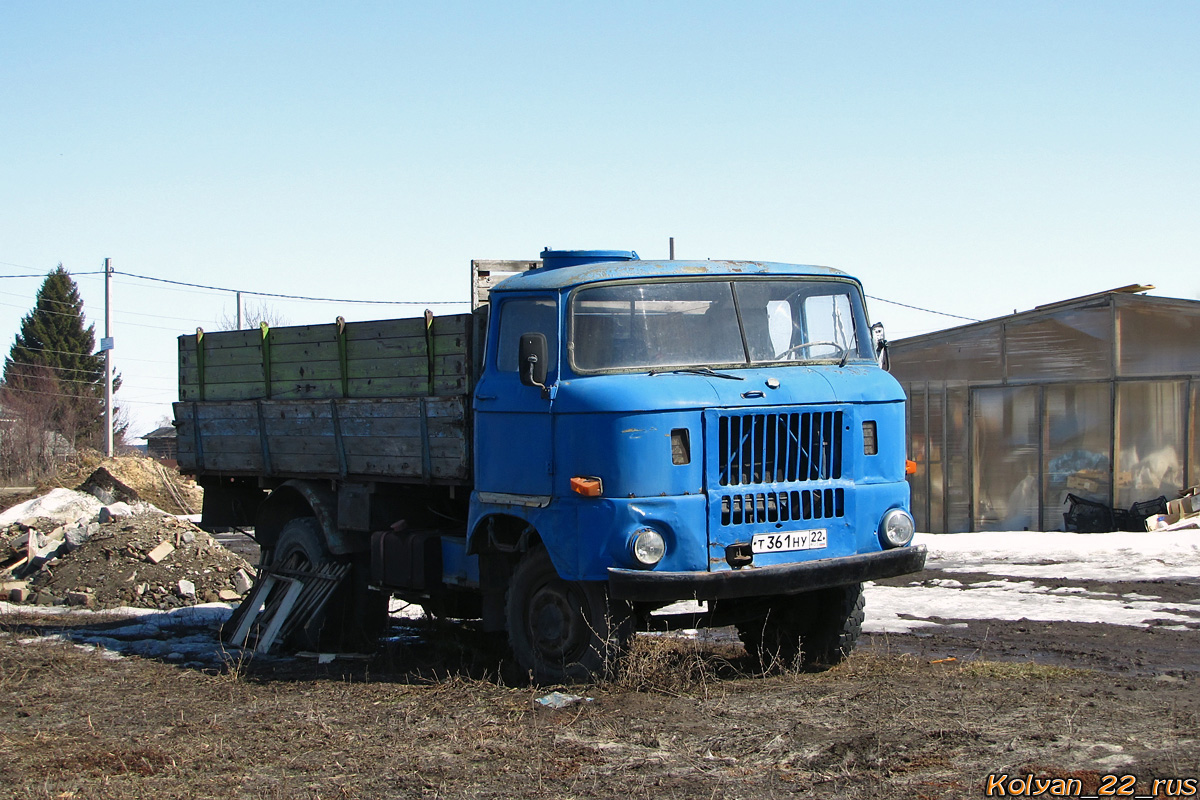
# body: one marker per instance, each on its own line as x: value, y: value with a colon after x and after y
x: 1055, y: 404
x: 1078, y: 432
x: 1150, y: 441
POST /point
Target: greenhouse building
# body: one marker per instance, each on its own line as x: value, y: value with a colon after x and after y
x: 1016, y: 421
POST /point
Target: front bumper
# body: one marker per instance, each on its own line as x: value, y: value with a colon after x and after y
x: 642, y: 586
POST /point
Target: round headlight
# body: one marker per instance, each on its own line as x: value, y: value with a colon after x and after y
x: 897, y: 528
x: 647, y: 546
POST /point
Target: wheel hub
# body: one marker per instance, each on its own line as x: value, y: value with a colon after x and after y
x: 557, y: 626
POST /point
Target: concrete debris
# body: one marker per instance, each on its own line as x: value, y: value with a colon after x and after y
x: 107, y: 488
x: 160, y: 552
x: 242, y: 582
x: 56, y: 550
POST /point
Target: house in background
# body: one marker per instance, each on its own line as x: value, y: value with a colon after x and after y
x: 161, y: 445
x: 1098, y: 396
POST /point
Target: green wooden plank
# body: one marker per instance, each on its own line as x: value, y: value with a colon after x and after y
x: 221, y: 340
x: 385, y: 329
x: 450, y: 373
x: 300, y: 352
x: 222, y: 358
x: 360, y: 388
x: 245, y: 373
x: 304, y: 334
x: 399, y: 348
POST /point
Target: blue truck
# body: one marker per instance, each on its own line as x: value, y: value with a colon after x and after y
x: 601, y: 438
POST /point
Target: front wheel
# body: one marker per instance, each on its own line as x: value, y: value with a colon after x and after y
x: 563, y: 631
x: 815, y: 630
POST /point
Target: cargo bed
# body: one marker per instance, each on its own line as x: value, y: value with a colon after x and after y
x: 378, y: 400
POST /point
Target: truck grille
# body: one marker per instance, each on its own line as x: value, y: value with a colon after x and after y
x: 779, y: 448
x: 746, y: 509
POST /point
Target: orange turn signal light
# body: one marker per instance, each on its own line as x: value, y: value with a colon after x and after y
x: 910, y: 467
x: 587, y: 486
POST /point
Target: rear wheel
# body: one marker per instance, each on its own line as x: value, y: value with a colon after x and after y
x: 815, y: 630
x: 563, y: 631
x: 353, y: 616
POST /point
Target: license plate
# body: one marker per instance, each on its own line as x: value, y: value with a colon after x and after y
x: 786, y: 541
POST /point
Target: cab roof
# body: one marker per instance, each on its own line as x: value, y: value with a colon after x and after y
x: 566, y: 277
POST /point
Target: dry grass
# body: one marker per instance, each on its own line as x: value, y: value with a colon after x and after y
x: 684, y: 719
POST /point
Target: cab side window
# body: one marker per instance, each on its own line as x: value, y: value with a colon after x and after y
x: 527, y: 315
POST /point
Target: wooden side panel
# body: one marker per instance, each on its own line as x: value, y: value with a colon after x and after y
x: 411, y: 439
x: 376, y: 359
x: 487, y: 273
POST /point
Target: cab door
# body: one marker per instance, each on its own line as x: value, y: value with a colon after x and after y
x: 513, y: 421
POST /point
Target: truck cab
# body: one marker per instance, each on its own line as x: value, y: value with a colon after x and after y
x: 649, y: 432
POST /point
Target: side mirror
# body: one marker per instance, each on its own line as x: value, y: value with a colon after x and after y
x: 532, y: 359
x: 880, y: 343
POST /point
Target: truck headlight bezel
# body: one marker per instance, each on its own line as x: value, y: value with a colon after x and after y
x: 647, y: 547
x: 897, y: 528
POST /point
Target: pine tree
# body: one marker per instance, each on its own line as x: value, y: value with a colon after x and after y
x: 52, y: 366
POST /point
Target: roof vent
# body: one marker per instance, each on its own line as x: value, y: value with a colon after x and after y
x: 553, y: 259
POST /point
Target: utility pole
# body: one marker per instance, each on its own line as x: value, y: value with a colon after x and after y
x: 106, y: 344
x: 672, y: 248
x: 239, y: 311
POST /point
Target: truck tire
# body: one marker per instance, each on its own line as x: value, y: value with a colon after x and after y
x: 563, y: 631
x: 353, y: 617
x: 813, y: 631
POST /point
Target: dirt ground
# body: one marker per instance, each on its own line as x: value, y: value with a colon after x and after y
x: 437, y: 713
x: 1151, y: 651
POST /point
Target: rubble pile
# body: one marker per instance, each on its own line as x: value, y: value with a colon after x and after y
x: 104, y: 548
x: 148, y: 480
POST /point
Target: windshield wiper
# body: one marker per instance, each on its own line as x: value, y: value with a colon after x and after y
x: 706, y: 371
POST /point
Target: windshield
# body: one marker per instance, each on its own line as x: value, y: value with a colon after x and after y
x: 678, y: 324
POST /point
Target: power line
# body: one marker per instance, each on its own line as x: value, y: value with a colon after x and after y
x: 918, y: 308
x: 44, y: 274
x: 296, y: 296
x: 51, y: 366
x: 121, y: 402
x: 36, y: 310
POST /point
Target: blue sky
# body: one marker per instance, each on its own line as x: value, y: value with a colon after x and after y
x: 972, y: 158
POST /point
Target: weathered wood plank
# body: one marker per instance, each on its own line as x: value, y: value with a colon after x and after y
x: 385, y: 437
x: 225, y: 461
x: 361, y: 388
x: 389, y: 347
x: 217, y: 340
x: 443, y: 367
x: 448, y: 324
x: 222, y: 357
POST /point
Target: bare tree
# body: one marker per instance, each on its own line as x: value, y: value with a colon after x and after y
x: 29, y: 446
x: 253, y: 315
